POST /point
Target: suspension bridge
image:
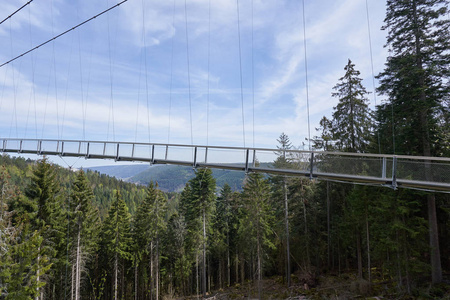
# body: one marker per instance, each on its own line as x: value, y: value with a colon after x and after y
x: 393, y: 171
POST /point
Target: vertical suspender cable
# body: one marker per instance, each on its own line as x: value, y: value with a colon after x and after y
x: 55, y: 80
x: 240, y: 71
x: 81, y: 83
x: 146, y: 74
x: 373, y: 72
x: 140, y: 73
x: 33, y: 91
x: 392, y: 103
x: 188, y: 70
x: 253, y: 83
x: 171, y: 75
x: 209, y: 58
x: 111, y: 106
x: 306, y: 74
x: 14, y: 114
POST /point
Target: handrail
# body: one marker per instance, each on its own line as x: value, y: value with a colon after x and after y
x: 362, y: 167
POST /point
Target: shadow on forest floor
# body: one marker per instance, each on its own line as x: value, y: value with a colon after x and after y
x: 345, y: 286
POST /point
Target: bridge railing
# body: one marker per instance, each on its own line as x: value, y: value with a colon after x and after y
x: 431, y: 173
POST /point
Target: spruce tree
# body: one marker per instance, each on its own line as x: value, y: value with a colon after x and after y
x: 115, y: 243
x: 279, y: 187
x: 415, y: 81
x: 257, y: 222
x: 197, y: 207
x: 149, y: 226
x: 352, y: 121
x: 49, y: 218
x: 84, y: 226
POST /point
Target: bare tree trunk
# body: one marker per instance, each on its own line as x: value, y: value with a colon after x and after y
x: 157, y: 266
x: 258, y: 249
x: 228, y: 259
x: 116, y: 274
x: 135, y: 280
x: 328, y: 226
x: 196, y: 258
x: 306, y: 235
x: 286, y: 220
x: 151, y: 270
x: 369, y: 272
x: 359, y: 256
x: 38, y: 270
x: 77, y: 265
x: 204, y: 253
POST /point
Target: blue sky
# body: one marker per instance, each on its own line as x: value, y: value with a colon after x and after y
x: 124, y: 76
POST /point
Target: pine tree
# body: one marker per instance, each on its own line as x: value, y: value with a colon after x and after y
x: 415, y: 80
x: 197, y: 207
x: 115, y: 243
x: 280, y: 195
x: 84, y: 226
x: 352, y: 121
x: 49, y: 218
x: 149, y: 226
x: 22, y: 255
x: 256, y: 226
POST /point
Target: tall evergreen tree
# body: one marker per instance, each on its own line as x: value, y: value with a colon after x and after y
x: 115, y: 243
x: 84, y: 226
x: 280, y: 195
x: 256, y: 225
x: 149, y: 226
x: 50, y: 219
x: 197, y: 207
x: 415, y: 80
x: 352, y: 121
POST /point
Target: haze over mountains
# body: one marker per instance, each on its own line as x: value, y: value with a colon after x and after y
x: 170, y: 178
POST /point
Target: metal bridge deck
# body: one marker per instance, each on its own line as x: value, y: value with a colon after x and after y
x: 416, y: 172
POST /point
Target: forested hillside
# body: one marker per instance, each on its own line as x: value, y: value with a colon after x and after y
x: 81, y: 235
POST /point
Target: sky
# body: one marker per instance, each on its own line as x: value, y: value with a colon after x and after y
x: 218, y: 72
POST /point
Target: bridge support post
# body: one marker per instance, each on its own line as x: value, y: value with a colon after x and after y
x: 394, y: 173
x: 383, y: 170
x: 311, y: 166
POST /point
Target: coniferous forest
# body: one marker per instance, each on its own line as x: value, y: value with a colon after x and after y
x: 74, y: 234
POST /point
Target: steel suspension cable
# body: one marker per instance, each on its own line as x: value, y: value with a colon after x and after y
x: 19, y: 9
x: 33, y: 91
x: 209, y: 57
x: 253, y: 82
x: 240, y: 71
x: 14, y: 114
x: 140, y: 73
x: 373, y: 72
x: 188, y: 70
x: 171, y: 74
x: 55, y: 81
x: 111, y: 104
x: 63, y: 33
x: 306, y: 74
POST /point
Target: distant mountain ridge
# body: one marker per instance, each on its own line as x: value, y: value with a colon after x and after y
x: 170, y: 178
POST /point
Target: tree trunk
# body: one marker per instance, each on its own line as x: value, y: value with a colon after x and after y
x: 157, y: 266
x: 116, y: 274
x: 77, y: 265
x: 286, y: 220
x: 204, y: 253
x: 135, y: 281
x: 359, y: 255
x: 228, y: 259
x: 369, y: 273
x: 258, y: 249
x: 151, y: 270
x: 328, y: 226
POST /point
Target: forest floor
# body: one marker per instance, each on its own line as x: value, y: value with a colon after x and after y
x: 345, y: 286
